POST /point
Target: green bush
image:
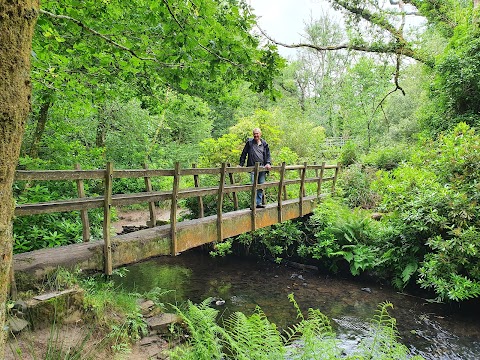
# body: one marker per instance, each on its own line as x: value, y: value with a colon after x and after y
x: 354, y: 186
x: 348, y: 154
x: 435, y: 210
x: 342, y: 236
x: 387, y: 158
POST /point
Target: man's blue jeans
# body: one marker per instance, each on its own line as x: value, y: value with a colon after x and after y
x: 261, y: 180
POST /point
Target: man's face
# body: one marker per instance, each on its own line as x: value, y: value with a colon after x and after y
x: 256, y: 135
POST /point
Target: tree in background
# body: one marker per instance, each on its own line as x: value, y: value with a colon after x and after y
x: 383, y: 29
x: 360, y: 101
x: 455, y: 92
x: 85, y: 52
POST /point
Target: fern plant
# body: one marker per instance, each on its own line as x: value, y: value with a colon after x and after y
x: 383, y: 340
x: 204, y: 333
x: 311, y: 338
x: 254, y: 337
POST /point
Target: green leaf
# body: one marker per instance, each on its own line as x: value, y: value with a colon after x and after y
x: 184, y: 83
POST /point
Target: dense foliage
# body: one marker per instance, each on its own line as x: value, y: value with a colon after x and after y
x: 191, y: 89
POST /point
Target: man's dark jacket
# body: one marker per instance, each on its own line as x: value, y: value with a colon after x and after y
x: 248, y: 150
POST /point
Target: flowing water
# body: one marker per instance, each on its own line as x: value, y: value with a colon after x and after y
x: 434, y: 331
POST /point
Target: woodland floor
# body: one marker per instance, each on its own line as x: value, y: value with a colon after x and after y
x: 48, y: 344
x: 137, y: 218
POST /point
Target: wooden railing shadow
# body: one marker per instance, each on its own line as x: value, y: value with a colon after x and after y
x: 83, y: 203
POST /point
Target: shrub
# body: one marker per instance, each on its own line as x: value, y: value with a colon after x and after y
x: 348, y: 154
x: 354, y: 182
x: 387, y: 158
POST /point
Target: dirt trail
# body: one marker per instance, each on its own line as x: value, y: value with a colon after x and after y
x: 140, y: 217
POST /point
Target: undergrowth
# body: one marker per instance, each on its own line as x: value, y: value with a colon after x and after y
x: 111, y: 319
x: 254, y: 337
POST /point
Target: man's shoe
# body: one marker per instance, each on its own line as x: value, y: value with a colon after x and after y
x: 260, y: 206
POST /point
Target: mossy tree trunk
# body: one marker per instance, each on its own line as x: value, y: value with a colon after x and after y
x: 17, y: 22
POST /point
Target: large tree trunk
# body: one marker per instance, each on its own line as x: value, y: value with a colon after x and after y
x: 17, y: 21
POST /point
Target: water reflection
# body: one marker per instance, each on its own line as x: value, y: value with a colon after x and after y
x: 427, y: 329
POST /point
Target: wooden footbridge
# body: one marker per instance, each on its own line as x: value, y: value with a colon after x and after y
x: 302, y: 183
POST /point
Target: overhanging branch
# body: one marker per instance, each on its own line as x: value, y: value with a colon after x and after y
x: 218, y: 56
x: 391, y: 48
x: 108, y: 40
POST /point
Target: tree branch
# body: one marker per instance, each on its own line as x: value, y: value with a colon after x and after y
x: 108, y: 40
x: 196, y: 40
x: 434, y: 10
x: 392, y: 48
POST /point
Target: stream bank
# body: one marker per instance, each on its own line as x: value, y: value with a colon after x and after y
x: 435, y: 331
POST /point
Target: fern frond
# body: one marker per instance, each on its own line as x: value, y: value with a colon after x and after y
x: 291, y: 298
x: 253, y: 337
x: 312, y: 337
x: 383, y: 344
x: 291, y: 334
x: 204, y: 341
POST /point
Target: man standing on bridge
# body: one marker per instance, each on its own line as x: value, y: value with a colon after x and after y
x: 257, y: 150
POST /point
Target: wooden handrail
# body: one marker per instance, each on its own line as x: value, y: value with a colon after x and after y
x: 83, y: 203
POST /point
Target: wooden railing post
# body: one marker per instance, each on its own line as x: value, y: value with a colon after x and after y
x: 83, y: 213
x: 107, y: 252
x: 335, y: 176
x: 151, y: 204
x: 281, y: 188
x: 196, y: 181
x: 320, y: 180
x: 253, y: 202
x: 234, y: 194
x: 173, y: 210
x: 302, y: 187
x: 221, y: 187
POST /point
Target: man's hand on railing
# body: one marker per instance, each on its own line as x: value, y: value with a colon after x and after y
x: 268, y: 166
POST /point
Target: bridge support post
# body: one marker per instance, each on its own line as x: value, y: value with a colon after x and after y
x: 173, y: 210
x: 281, y: 188
x: 335, y: 176
x: 253, y: 203
x: 221, y: 187
x: 320, y: 180
x: 302, y: 188
x: 234, y: 194
x: 151, y: 204
x: 196, y: 181
x: 107, y: 207
x: 83, y: 213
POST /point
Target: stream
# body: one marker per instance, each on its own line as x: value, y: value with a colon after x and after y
x: 432, y: 330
